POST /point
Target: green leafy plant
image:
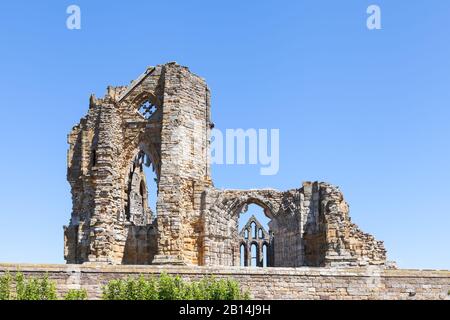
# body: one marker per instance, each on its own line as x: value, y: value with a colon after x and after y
x: 76, y: 294
x: 164, y: 287
x: 34, y: 288
x: 168, y: 287
x: 171, y: 288
x: 131, y: 289
x: 223, y: 289
x: 26, y: 289
x: 5, y: 286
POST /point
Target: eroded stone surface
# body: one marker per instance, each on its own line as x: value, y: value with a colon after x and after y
x: 372, y: 282
x: 194, y: 223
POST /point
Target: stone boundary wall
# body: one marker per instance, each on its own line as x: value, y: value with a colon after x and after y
x: 264, y: 283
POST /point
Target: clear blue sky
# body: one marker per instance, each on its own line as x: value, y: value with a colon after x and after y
x: 365, y: 110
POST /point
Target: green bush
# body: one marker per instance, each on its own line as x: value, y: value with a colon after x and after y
x: 5, y: 286
x: 35, y: 288
x: 131, y: 289
x: 173, y: 288
x: 165, y: 287
x: 26, y: 289
x: 76, y: 294
x: 211, y: 289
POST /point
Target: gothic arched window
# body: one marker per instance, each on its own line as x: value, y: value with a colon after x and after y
x: 260, y: 234
x: 243, y: 261
x: 265, y: 255
x: 253, y: 226
x: 254, y: 255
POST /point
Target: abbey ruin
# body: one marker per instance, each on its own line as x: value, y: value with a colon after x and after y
x: 162, y: 121
x: 150, y: 143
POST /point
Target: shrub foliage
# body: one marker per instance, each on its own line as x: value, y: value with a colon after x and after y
x: 168, y: 287
x: 20, y: 288
x: 76, y: 294
x: 5, y: 286
x: 164, y: 287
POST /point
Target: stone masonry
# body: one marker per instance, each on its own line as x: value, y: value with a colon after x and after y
x: 263, y: 283
x: 162, y: 120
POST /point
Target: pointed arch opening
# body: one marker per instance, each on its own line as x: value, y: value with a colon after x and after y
x: 253, y: 231
x: 253, y: 228
x: 265, y: 255
x: 142, y: 189
x: 243, y: 255
x: 254, y: 261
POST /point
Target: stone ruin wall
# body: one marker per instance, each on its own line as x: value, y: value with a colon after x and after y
x: 264, y: 283
x: 194, y: 223
x: 113, y: 133
x: 311, y: 226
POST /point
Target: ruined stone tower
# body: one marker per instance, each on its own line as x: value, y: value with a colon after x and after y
x: 162, y: 120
